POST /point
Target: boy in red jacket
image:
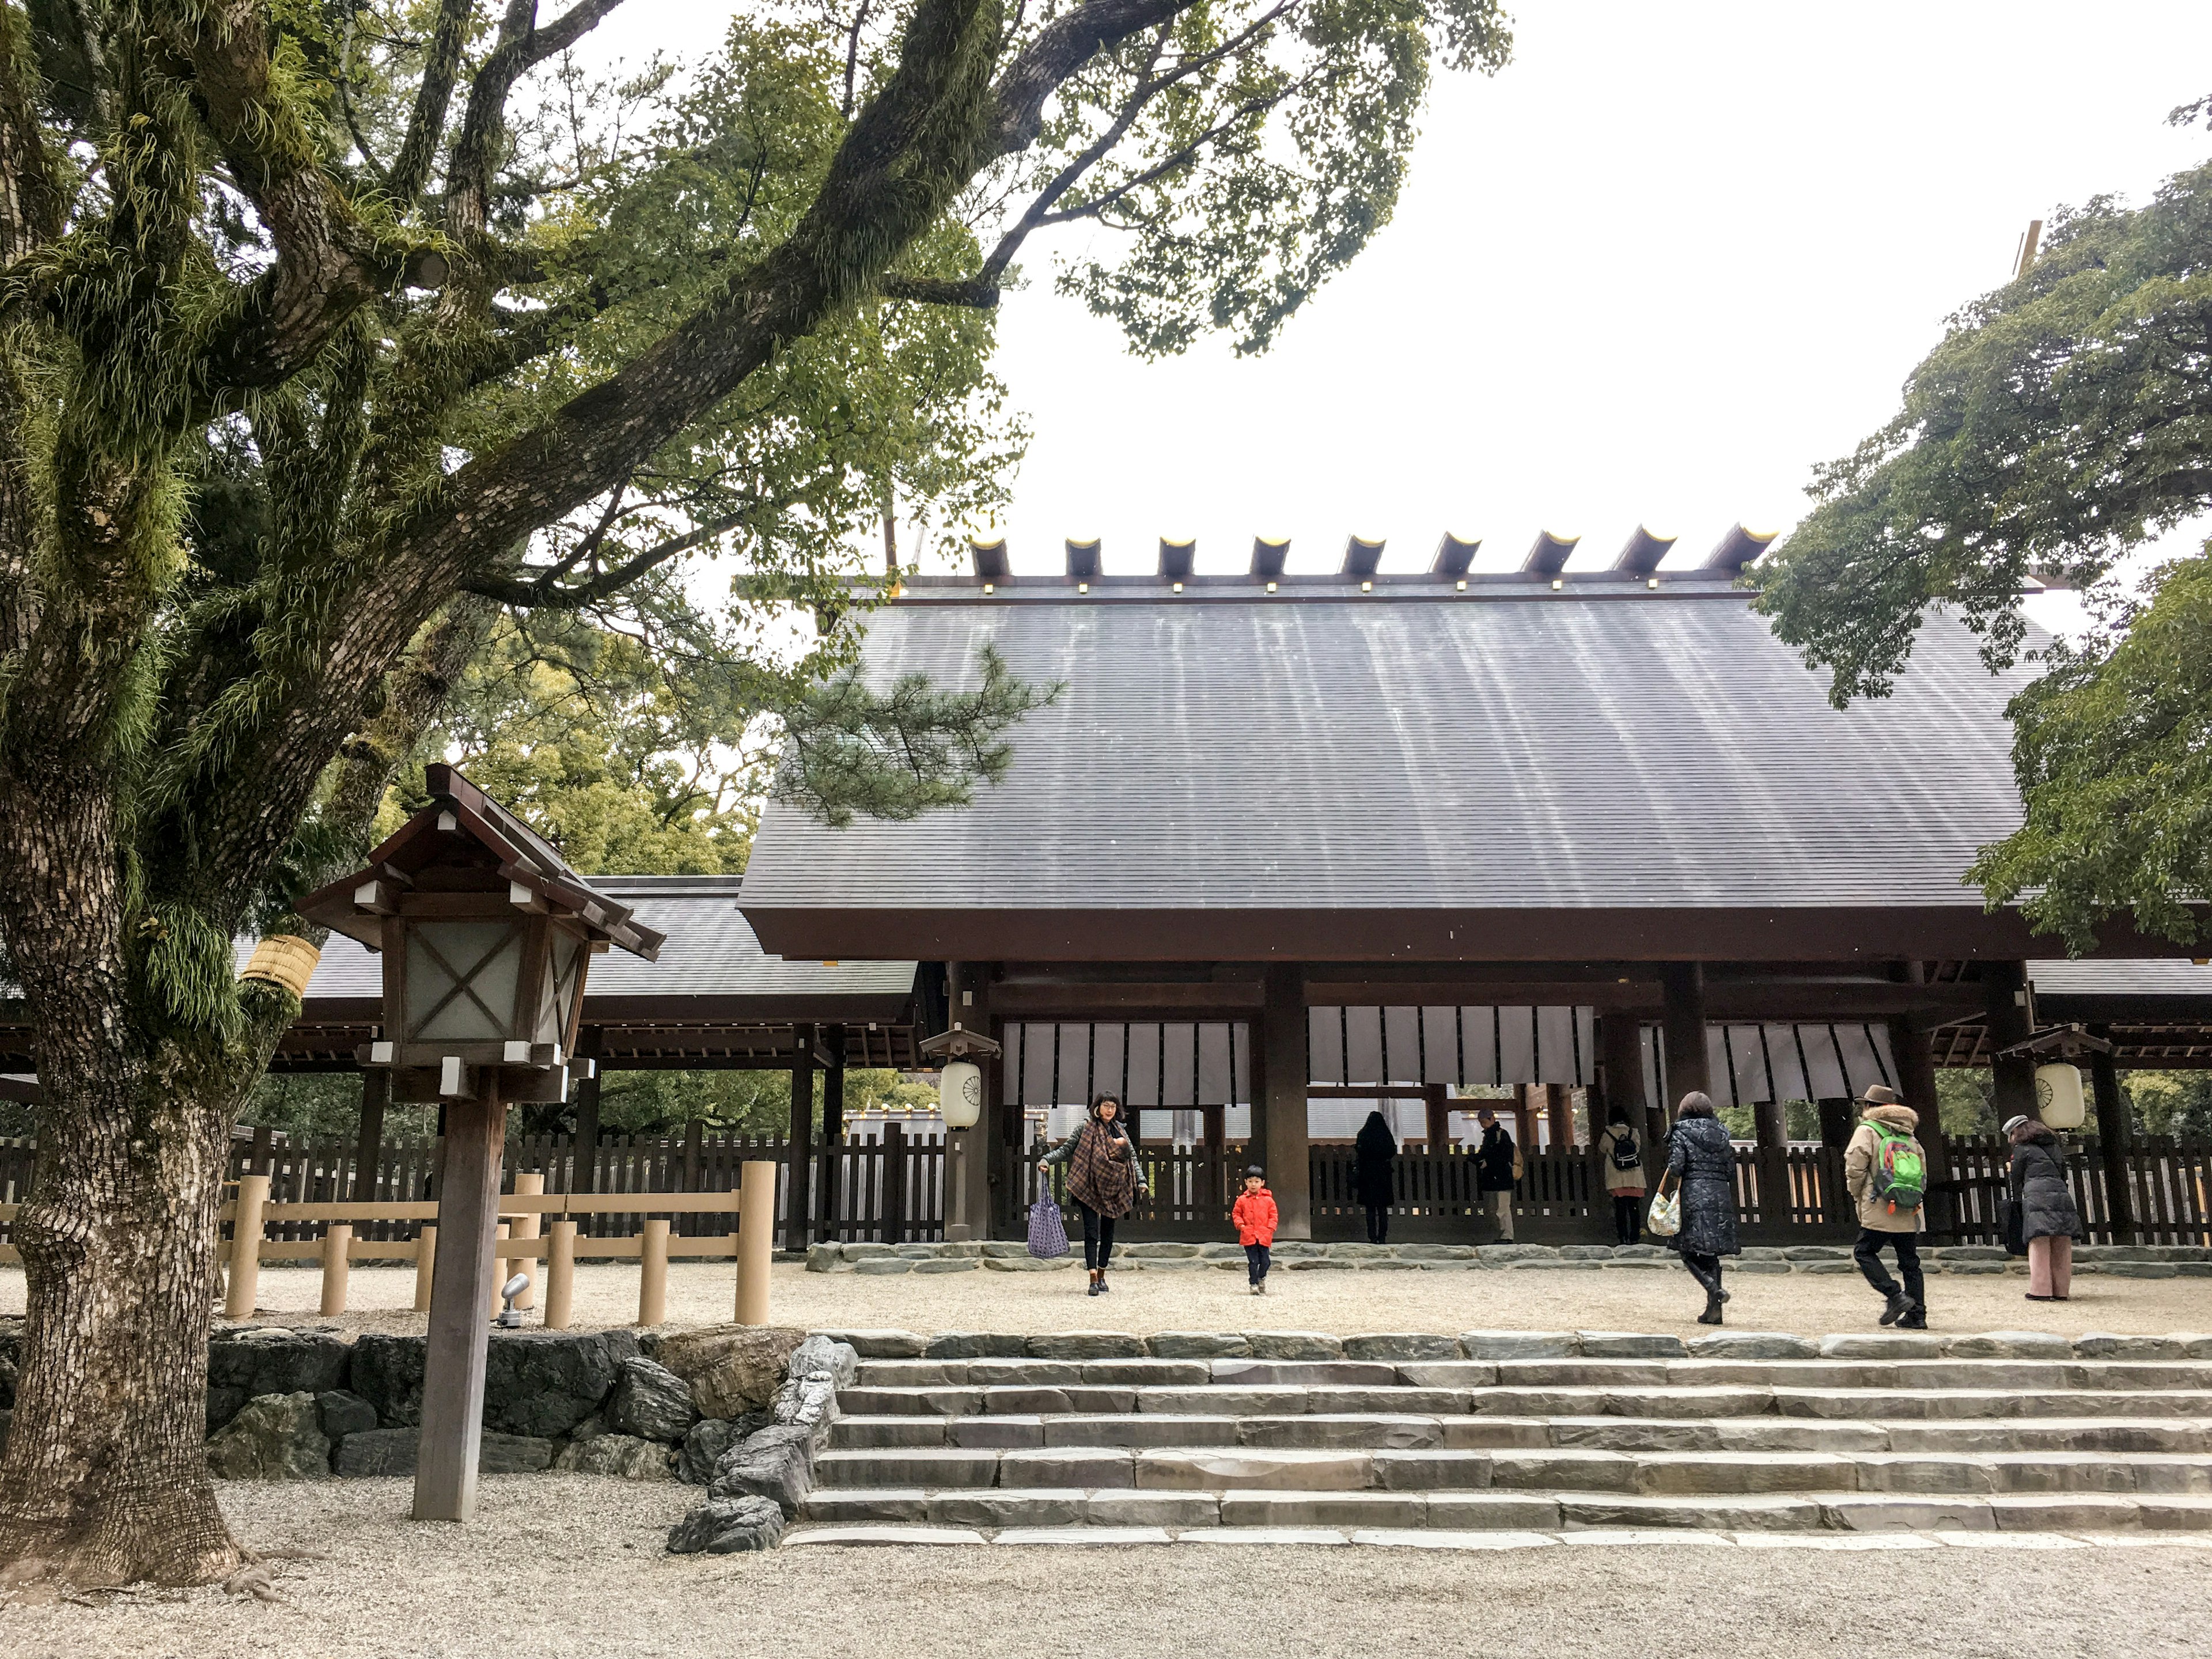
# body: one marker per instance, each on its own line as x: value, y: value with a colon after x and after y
x: 1255, y: 1216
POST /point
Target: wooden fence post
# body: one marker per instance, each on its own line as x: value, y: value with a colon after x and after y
x: 755, y: 1237
x: 653, y: 1275
x: 530, y: 1185
x: 246, y: 1247
x: 498, y: 1266
x: 894, y: 1183
x: 338, y: 1239
x: 426, y: 1259
x: 560, y: 1275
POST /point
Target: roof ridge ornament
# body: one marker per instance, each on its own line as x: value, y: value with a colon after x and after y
x: 1739, y: 549
x: 1641, y: 557
x: 1548, y: 555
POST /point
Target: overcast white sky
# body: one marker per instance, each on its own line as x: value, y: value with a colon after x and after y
x: 1665, y: 262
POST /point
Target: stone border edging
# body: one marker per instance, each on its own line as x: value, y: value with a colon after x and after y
x: 1007, y: 1256
x: 1416, y: 1347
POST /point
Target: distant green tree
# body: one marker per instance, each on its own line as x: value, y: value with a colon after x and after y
x: 2176, y: 1103
x: 1965, y: 1101
x: 2064, y: 420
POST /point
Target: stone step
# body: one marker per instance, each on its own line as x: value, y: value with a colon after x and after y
x: 1657, y: 1400
x: 1560, y: 1511
x: 2102, y: 1375
x: 1648, y: 1473
x: 1395, y: 1431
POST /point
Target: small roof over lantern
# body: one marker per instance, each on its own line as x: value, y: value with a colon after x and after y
x: 487, y: 935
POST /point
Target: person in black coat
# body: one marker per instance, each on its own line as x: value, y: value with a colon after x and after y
x: 1701, y: 1165
x: 1494, y: 1171
x: 2048, y: 1218
x: 1374, y: 1159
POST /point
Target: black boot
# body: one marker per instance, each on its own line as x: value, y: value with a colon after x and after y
x: 1915, y: 1319
x: 1097, y: 1282
x: 1900, y: 1305
x: 1712, y: 1313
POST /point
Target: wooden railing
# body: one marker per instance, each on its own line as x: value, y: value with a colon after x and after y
x: 892, y: 1190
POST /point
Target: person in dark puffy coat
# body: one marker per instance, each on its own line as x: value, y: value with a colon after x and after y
x: 2048, y: 1218
x: 1373, y: 1156
x: 1701, y: 1164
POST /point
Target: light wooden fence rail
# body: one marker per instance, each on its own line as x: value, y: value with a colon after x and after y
x: 893, y: 1191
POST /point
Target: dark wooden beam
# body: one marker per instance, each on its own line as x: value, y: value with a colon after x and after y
x: 2007, y: 1015
x: 1683, y: 1034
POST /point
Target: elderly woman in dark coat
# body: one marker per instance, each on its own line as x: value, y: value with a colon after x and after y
x: 2048, y: 1218
x: 1374, y: 1153
x: 1701, y: 1163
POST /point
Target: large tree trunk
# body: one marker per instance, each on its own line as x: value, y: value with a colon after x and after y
x: 105, y: 1475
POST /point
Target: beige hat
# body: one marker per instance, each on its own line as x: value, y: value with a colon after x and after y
x: 1881, y: 1094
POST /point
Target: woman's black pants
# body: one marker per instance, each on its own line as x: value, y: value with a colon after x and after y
x: 1379, y: 1224
x: 1705, y: 1269
x: 1098, y: 1237
x: 1628, y: 1219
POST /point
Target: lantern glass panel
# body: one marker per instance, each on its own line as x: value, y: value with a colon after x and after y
x: 564, y: 977
x: 461, y: 980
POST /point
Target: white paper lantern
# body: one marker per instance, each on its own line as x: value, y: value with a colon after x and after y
x: 2058, y: 1096
x: 960, y: 1094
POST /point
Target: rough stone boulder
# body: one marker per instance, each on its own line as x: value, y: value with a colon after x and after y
x: 731, y: 1369
x: 777, y: 1463
x: 276, y: 1437
x: 541, y: 1383
x: 709, y: 1438
x: 823, y: 1357
x: 388, y: 1372
x: 343, y: 1413
x: 624, y: 1455
x: 651, y: 1402
x: 725, y: 1526
x: 265, y: 1360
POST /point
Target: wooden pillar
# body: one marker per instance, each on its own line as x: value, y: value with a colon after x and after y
x: 2115, y: 1138
x: 258, y: 1164
x: 584, y: 1095
x: 1836, y: 1124
x: 1683, y: 1033
x: 1770, y: 1126
x: 1525, y: 1114
x: 1915, y: 1081
x: 1620, y: 1049
x: 1217, y: 1180
x: 1559, y: 1107
x: 454, y: 1363
x: 799, y: 1206
x: 1437, y: 1106
x: 2004, y: 986
x: 833, y: 1129
x: 368, y: 1148
x: 528, y: 1184
x: 1279, y: 1100
x: 755, y: 1239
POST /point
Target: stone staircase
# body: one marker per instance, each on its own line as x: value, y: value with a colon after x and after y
x: 1391, y: 1437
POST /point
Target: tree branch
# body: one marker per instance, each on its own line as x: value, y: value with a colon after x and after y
x: 977, y: 291
x: 410, y: 168
x: 521, y: 48
x: 328, y: 263
x: 545, y: 591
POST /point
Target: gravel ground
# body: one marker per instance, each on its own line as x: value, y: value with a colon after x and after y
x: 555, y: 1566
x: 1341, y: 1301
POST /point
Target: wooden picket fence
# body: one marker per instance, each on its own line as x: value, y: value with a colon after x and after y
x: 892, y: 1190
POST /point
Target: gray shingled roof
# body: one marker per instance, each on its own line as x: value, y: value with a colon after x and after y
x: 711, y: 951
x: 2136, y: 977
x: 1484, y: 750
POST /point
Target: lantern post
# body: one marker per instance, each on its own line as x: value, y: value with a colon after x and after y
x: 487, y: 937
x: 960, y: 1102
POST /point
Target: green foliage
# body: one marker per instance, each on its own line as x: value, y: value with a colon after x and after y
x: 1262, y: 147
x: 727, y: 1102
x: 2064, y: 420
x: 2113, y: 748
x: 2176, y: 1103
x: 1965, y: 1100
x: 849, y: 750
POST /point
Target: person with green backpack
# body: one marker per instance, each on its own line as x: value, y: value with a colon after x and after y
x: 1888, y: 1174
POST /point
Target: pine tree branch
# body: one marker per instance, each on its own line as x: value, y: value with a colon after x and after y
x: 426, y: 127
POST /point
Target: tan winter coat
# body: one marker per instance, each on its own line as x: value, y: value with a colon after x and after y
x: 1874, y: 1213
x: 1620, y: 1183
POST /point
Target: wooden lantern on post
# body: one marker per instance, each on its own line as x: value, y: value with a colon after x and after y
x: 487, y: 936
x: 961, y: 1101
